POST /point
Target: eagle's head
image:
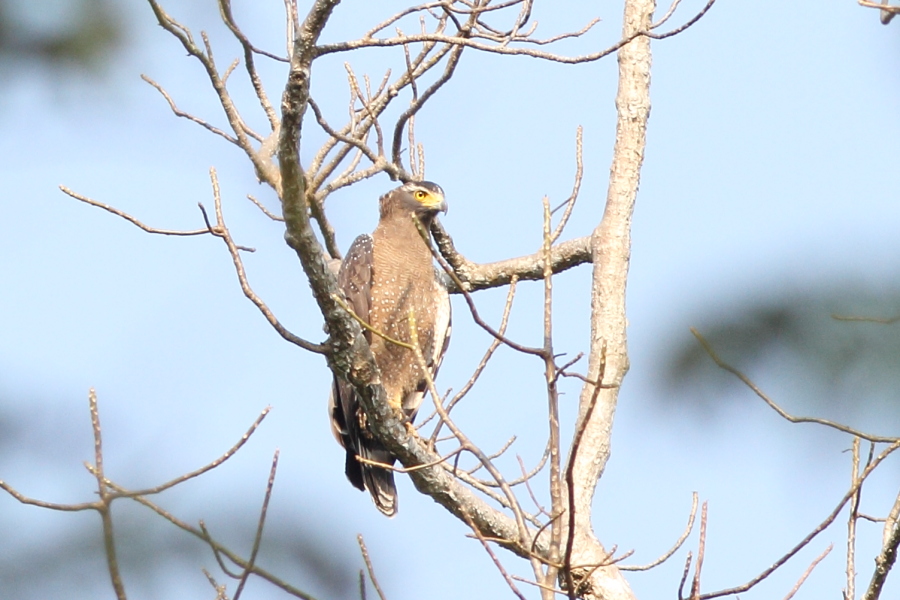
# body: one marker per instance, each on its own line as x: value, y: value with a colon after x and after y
x: 424, y: 198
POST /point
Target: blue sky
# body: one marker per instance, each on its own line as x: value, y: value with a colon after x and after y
x: 769, y: 167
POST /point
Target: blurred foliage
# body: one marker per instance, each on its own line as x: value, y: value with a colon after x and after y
x: 79, y: 35
x: 836, y: 348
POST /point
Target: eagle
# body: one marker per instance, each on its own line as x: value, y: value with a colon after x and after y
x: 383, y: 277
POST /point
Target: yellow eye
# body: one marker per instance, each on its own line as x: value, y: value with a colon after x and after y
x: 420, y: 195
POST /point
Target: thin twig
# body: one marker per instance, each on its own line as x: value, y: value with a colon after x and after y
x: 850, y: 591
x: 674, y: 549
x: 576, y: 186
x: 690, y: 23
x: 840, y: 427
x: 388, y: 467
x: 470, y: 302
x: 249, y: 50
x: 216, y: 230
x: 496, y: 561
x: 871, y: 519
x: 540, y: 585
x: 455, y: 51
x: 209, y: 467
x: 525, y: 479
x: 186, y: 115
x: 859, y: 319
x: 887, y: 12
x: 701, y: 550
x: 232, y: 556
x: 668, y: 14
x: 265, y: 210
x: 608, y: 560
x: 221, y: 590
x: 411, y: 129
x: 811, y: 535
x: 684, y: 574
x: 477, y: 484
x: 110, y: 491
x: 221, y: 231
x: 264, y: 168
x: 109, y: 539
x: 551, y: 379
x: 495, y: 343
x: 369, y: 567
x: 234, y: 64
x: 504, y: 48
x: 340, y: 302
x: 808, y: 572
x: 540, y: 530
x: 570, y: 470
x: 128, y: 217
x: 464, y: 441
x: 23, y: 499
x: 259, y: 528
x: 207, y: 537
x: 496, y: 454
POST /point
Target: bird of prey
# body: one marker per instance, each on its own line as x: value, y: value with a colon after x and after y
x: 383, y: 277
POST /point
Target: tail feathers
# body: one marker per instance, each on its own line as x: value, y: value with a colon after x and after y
x: 379, y: 482
x: 354, y: 470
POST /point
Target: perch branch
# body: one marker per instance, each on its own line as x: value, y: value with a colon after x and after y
x: 476, y: 276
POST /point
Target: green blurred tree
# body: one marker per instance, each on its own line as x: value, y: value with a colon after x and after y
x: 71, y: 35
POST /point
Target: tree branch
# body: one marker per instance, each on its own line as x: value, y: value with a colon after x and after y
x: 477, y: 276
x: 884, y: 562
x: 611, y: 252
x: 264, y: 168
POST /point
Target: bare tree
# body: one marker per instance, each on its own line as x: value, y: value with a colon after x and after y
x: 559, y: 542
